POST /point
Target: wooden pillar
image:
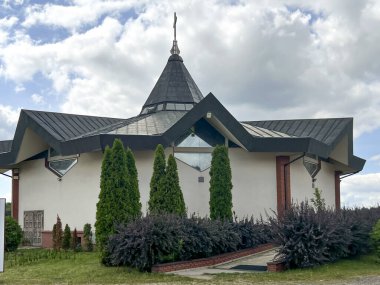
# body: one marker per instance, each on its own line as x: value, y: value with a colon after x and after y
x: 283, y: 184
x: 337, y: 190
x: 15, y: 193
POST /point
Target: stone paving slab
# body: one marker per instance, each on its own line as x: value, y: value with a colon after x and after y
x: 209, y: 272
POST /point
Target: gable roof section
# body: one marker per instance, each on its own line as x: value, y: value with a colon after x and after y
x: 174, y: 85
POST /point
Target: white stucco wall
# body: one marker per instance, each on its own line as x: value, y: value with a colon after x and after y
x: 254, y: 191
x: 301, y: 183
x: 73, y: 198
x: 254, y: 183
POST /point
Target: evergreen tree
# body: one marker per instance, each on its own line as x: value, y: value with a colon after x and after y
x: 66, y: 243
x: 120, y: 207
x: 87, y: 238
x: 104, y: 220
x: 133, y: 186
x: 157, y: 176
x: 220, y: 185
x: 57, y: 235
x: 75, y: 245
x: 169, y: 191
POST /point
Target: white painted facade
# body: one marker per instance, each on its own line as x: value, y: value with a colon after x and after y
x: 74, y: 197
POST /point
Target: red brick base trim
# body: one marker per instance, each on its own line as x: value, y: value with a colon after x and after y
x: 275, y: 266
x: 47, y: 238
x: 202, y: 262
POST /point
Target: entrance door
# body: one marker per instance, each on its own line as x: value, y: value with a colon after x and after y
x: 33, y: 226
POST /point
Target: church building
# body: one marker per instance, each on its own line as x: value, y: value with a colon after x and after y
x: 56, y: 158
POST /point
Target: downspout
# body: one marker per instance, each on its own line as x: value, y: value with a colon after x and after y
x: 285, y: 186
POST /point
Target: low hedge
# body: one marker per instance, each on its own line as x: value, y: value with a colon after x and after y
x: 309, y: 237
x: 165, y: 238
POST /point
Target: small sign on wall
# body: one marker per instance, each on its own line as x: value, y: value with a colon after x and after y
x: 2, y: 233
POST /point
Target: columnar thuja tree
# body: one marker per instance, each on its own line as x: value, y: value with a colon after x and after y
x: 66, y: 243
x: 220, y: 184
x: 104, y: 220
x: 133, y: 187
x: 157, y: 176
x: 119, y: 197
x: 120, y: 207
x: 169, y: 191
x: 57, y: 234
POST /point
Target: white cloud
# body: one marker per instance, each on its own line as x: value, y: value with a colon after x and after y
x: 361, y: 190
x: 74, y: 16
x: 38, y: 99
x: 8, y: 117
x: 263, y: 61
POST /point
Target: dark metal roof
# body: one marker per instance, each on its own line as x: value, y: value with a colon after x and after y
x: 64, y: 127
x: 327, y: 131
x: 5, y: 146
x: 175, y: 85
x: 72, y: 134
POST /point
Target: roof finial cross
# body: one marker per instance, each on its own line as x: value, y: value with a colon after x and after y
x: 175, y: 49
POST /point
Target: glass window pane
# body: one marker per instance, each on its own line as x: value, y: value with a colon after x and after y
x: 170, y: 106
x: 193, y: 141
x: 180, y: 107
x: 160, y: 107
x: 188, y: 106
x: 61, y: 167
x: 199, y: 161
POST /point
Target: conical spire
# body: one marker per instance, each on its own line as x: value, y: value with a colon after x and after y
x: 175, y: 89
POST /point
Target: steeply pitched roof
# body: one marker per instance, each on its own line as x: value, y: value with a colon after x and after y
x: 175, y: 85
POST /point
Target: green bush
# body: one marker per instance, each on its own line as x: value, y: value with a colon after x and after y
x: 13, y: 234
x: 375, y: 238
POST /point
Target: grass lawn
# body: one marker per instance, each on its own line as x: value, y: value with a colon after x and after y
x: 86, y: 269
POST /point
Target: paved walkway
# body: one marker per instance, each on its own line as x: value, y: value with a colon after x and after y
x: 258, y: 259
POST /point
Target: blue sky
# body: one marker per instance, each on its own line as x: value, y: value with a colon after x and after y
x: 261, y: 59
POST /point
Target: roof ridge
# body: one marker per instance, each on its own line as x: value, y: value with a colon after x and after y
x: 70, y: 114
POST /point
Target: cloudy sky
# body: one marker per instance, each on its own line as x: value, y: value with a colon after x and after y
x: 262, y: 59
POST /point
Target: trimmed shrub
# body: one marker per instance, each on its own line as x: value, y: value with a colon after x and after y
x: 87, y: 238
x: 162, y: 238
x: 66, y: 243
x: 375, y: 238
x: 220, y: 184
x: 159, y: 165
x: 13, y: 234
